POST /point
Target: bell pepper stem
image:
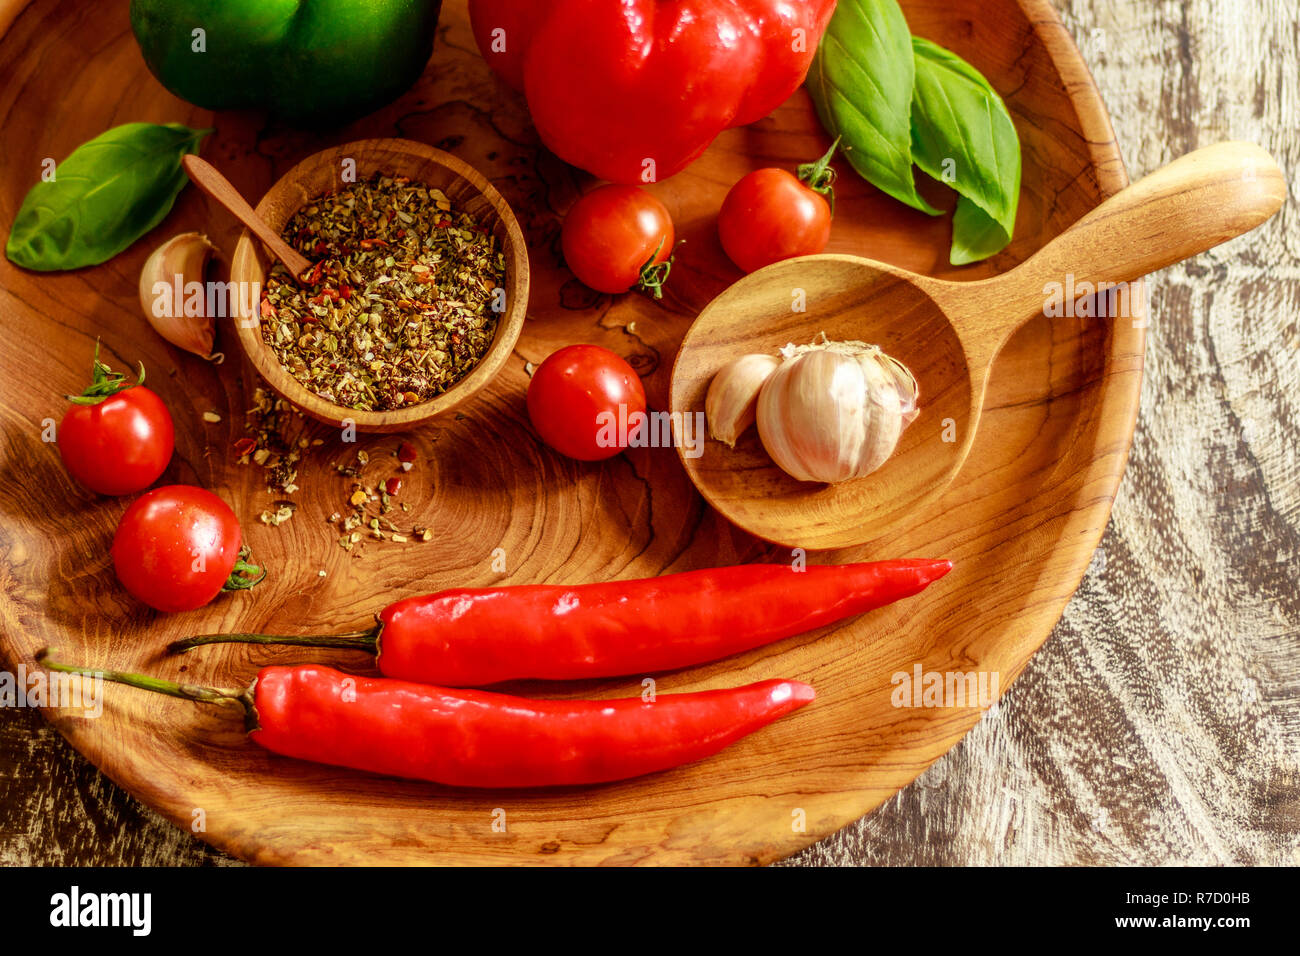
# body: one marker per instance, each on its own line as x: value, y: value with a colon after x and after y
x: 354, y: 640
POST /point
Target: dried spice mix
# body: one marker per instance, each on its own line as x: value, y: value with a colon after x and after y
x: 369, y: 506
x: 403, y: 301
x: 273, y: 440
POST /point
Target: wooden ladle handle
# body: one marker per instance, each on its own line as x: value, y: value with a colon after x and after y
x: 1195, y: 203
x: 204, y: 175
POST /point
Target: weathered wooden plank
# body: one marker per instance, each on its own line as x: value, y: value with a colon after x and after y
x: 1161, y: 722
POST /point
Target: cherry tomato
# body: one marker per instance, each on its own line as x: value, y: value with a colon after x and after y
x: 117, y: 437
x: 178, y: 547
x: 585, y: 401
x: 772, y: 215
x: 617, y: 237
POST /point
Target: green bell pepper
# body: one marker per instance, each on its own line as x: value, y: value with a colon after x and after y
x: 309, y: 62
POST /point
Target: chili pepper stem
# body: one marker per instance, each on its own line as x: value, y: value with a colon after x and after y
x: 353, y: 640
x: 820, y: 176
x: 203, y: 695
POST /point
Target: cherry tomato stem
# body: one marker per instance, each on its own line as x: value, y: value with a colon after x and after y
x: 655, y: 273
x: 104, y: 382
x: 820, y: 175
x: 243, y: 575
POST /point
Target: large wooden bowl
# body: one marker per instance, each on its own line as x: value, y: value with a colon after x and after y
x: 322, y: 172
x: 1021, y: 521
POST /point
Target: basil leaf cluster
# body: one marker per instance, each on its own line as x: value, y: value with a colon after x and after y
x: 899, y: 102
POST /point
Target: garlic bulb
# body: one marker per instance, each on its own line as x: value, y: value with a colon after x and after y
x: 731, y: 404
x: 173, y: 293
x: 833, y: 411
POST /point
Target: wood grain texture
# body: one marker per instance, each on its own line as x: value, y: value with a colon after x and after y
x: 1148, y: 656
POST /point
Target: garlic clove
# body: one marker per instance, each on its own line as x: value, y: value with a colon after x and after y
x: 730, y: 406
x: 834, y: 411
x: 883, y: 416
x: 167, y: 292
x: 909, y: 391
x: 801, y: 417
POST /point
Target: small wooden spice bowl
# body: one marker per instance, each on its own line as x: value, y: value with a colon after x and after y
x: 468, y: 191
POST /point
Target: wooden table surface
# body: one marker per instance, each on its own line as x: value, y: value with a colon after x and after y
x: 1161, y: 721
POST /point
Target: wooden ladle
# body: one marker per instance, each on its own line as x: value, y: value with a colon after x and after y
x: 948, y: 334
x: 204, y: 175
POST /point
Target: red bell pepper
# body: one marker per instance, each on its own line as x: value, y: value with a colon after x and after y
x: 635, y: 90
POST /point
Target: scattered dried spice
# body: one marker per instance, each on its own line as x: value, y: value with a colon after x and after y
x: 274, y: 442
x: 401, y: 299
x: 370, y: 504
x: 283, y: 512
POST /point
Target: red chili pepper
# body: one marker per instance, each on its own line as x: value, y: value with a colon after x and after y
x: 468, y: 738
x: 471, y: 637
x: 245, y: 446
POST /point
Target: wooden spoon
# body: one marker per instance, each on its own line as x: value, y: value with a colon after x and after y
x: 948, y: 334
x: 204, y: 175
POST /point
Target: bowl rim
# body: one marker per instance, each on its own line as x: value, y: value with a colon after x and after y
x: 250, y: 254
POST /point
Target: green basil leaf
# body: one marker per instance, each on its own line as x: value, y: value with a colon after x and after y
x: 975, y: 234
x: 962, y: 135
x: 103, y: 197
x: 861, y: 84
